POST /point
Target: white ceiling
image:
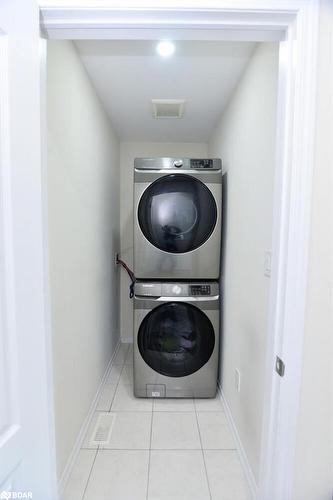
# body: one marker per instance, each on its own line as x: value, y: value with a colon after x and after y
x: 128, y: 74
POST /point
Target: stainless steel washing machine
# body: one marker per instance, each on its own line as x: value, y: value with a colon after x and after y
x: 177, y: 218
x: 176, y: 339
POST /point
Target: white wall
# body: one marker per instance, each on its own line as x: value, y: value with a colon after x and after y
x: 83, y: 205
x: 245, y: 139
x: 314, y: 453
x: 129, y: 151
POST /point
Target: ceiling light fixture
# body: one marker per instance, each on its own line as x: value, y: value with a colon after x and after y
x: 165, y: 48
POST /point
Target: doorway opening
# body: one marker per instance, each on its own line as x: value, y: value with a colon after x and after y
x: 101, y: 116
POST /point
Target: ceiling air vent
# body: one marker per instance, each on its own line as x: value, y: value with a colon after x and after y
x: 168, y: 108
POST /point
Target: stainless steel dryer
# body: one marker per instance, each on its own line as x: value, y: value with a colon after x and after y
x: 177, y: 218
x: 176, y: 339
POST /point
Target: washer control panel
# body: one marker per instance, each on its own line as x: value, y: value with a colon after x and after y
x: 178, y: 290
x: 200, y: 289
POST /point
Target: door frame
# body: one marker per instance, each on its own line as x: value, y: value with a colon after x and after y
x: 295, y: 24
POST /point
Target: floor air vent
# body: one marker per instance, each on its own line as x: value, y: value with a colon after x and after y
x: 168, y: 108
x: 103, y: 429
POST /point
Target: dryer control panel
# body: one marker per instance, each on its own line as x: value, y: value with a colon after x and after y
x: 201, y: 163
x: 200, y: 289
x: 164, y: 163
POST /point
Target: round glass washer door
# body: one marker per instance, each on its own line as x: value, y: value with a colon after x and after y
x: 177, y: 213
x: 176, y: 339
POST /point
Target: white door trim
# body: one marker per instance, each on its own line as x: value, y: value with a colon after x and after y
x: 291, y: 234
x: 11, y: 435
x: 296, y: 24
x: 133, y: 23
x: 27, y: 452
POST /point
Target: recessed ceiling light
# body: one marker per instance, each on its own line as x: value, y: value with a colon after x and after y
x: 165, y: 48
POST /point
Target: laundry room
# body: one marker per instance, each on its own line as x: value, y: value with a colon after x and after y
x: 160, y: 205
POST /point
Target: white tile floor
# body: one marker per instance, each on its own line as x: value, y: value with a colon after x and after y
x: 158, y: 450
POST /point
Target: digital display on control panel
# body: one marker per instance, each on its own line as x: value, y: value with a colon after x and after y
x: 201, y: 163
x: 200, y: 289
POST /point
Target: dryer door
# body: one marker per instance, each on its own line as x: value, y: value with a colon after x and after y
x: 177, y: 213
x: 176, y: 339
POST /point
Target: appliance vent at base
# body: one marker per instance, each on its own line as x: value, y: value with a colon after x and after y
x: 168, y: 108
x: 102, y: 431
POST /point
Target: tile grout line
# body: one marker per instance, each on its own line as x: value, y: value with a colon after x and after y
x: 160, y: 449
x: 116, y: 389
x: 231, y: 450
x: 203, y: 454
x: 136, y: 411
x: 89, y: 475
x: 149, y: 453
x: 185, y: 412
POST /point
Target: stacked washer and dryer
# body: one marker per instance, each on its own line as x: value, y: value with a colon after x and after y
x: 177, y: 241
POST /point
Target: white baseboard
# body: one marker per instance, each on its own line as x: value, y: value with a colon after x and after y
x: 81, y: 435
x: 240, y: 449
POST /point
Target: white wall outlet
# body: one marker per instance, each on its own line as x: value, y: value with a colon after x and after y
x: 268, y: 263
x: 237, y: 380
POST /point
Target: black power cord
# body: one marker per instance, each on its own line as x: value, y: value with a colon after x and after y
x: 130, y: 274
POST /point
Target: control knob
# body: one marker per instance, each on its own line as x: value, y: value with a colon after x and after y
x: 176, y: 289
x: 178, y: 163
